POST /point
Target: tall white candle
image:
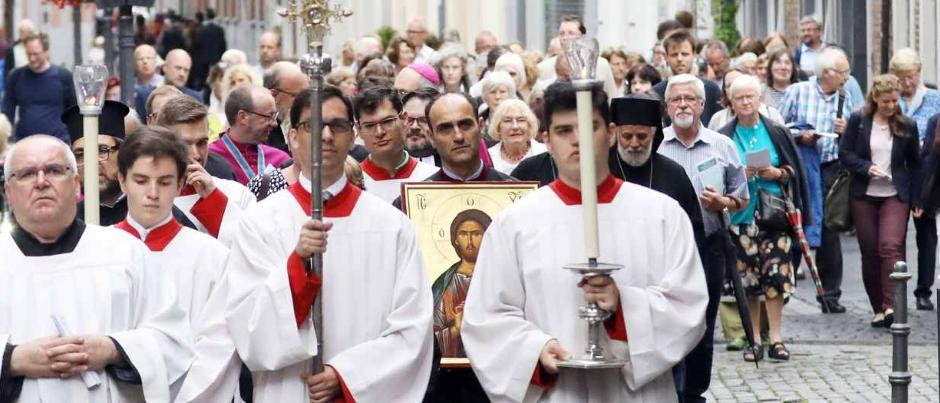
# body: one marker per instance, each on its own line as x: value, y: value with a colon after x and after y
x: 90, y: 165
x: 588, y: 172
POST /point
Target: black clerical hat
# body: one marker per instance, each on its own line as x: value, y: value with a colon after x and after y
x: 110, y: 122
x: 635, y: 110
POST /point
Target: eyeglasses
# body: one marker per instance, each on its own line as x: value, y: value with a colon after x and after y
x: 104, y: 152
x: 49, y: 171
x: 292, y: 94
x: 683, y: 100
x: 338, y: 126
x: 420, y: 120
x: 744, y: 98
x: 272, y: 116
x: 843, y: 73
x: 521, y: 121
x: 370, y: 127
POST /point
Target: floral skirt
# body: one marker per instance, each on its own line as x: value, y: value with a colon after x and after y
x: 763, y: 260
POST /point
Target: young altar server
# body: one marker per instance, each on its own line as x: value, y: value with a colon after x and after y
x: 213, y: 204
x: 151, y: 169
x: 521, y: 314
x: 376, y: 306
x: 119, y: 325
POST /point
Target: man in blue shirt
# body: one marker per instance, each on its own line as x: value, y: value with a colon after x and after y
x: 39, y: 92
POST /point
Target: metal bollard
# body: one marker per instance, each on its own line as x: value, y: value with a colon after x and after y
x: 900, y: 378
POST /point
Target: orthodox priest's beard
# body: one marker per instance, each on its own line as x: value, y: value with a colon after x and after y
x: 635, y: 158
x: 110, y: 190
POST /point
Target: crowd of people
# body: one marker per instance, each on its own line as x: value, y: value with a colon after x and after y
x: 198, y: 284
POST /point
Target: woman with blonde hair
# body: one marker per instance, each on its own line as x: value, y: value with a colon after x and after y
x: 514, y: 125
x: 881, y: 152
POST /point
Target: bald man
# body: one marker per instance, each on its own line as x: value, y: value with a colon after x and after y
x: 417, y: 35
x: 145, y: 67
x: 269, y: 51
x: 176, y: 69
x: 285, y: 80
x: 16, y: 55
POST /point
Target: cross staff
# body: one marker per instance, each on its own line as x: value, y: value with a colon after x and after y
x: 315, y: 16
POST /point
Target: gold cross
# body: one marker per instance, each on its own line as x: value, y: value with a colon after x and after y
x: 316, y: 16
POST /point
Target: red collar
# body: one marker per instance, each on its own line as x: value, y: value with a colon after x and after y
x: 340, y: 205
x: 158, y: 238
x: 379, y: 174
x: 571, y: 196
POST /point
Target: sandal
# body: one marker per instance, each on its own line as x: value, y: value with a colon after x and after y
x: 754, y: 355
x: 779, y: 352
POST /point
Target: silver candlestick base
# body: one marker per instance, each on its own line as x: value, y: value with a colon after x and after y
x: 594, y: 356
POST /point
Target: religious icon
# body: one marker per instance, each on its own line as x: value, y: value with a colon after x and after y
x: 450, y: 220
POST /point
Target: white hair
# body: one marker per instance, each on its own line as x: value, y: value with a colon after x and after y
x: 905, y: 59
x: 498, y: 79
x: 512, y: 105
x: 827, y: 59
x: 8, y: 160
x: 745, y: 61
x: 682, y: 79
x: 234, y: 56
x: 744, y: 82
x: 512, y: 60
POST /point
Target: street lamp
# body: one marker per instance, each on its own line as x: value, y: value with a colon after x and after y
x: 125, y: 42
x: 90, y: 85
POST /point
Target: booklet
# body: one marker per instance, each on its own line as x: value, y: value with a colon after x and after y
x: 796, y: 130
x: 711, y: 173
x: 758, y: 159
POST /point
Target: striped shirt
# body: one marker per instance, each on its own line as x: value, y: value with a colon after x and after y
x: 709, y: 144
x: 805, y: 102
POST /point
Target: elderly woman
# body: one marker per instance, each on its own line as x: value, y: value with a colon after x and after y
x: 451, y: 65
x: 512, y: 64
x: 344, y: 78
x: 761, y: 232
x: 722, y: 117
x: 881, y: 152
x: 400, y: 53
x: 497, y: 87
x: 514, y: 125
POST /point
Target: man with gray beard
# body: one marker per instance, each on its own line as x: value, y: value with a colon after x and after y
x: 711, y: 162
x: 636, y: 122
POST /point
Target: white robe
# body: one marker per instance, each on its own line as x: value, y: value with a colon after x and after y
x: 378, y: 183
x: 239, y: 199
x: 376, y: 302
x: 107, y: 286
x: 195, y: 262
x: 521, y: 297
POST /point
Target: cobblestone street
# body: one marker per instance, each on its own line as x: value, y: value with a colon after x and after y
x: 835, y: 358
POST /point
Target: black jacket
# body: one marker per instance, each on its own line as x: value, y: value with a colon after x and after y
x: 855, y: 154
x: 797, y: 188
x: 930, y: 192
x: 665, y: 176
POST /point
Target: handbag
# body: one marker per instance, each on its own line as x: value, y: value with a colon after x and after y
x: 836, y: 214
x: 771, y: 212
